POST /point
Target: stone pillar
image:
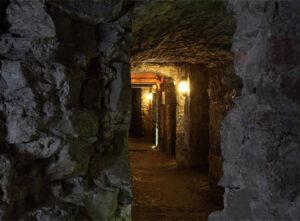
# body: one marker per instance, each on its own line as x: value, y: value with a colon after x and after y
x: 260, y: 136
x: 167, y: 116
x: 192, y: 133
x: 199, y: 117
x: 64, y: 110
x: 182, y: 122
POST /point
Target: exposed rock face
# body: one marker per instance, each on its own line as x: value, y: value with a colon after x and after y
x: 260, y: 136
x: 64, y: 110
x: 199, y: 116
x: 223, y: 87
x: 192, y: 119
x: 167, y: 116
x: 195, y: 32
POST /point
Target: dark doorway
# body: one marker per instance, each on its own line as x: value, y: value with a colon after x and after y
x: 136, y: 124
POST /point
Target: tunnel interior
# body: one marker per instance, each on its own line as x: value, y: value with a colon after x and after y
x: 66, y: 71
x: 188, y: 66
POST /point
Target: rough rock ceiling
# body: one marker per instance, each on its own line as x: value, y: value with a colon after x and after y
x: 193, y: 31
x: 93, y: 11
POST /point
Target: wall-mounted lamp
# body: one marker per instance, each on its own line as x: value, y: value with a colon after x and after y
x: 184, y: 87
x: 149, y: 96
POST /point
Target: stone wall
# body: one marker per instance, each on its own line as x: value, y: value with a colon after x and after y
x: 224, y: 86
x: 182, y: 122
x: 192, y: 136
x: 199, y: 116
x: 170, y: 70
x: 64, y: 110
x: 167, y: 117
x: 260, y: 136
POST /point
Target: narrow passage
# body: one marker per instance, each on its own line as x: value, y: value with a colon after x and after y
x: 163, y: 191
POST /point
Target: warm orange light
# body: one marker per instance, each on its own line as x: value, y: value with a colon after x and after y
x: 149, y: 96
x: 183, y: 87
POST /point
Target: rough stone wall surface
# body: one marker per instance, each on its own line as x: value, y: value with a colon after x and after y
x: 224, y: 86
x: 182, y: 121
x: 170, y: 70
x: 192, y: 118
x: 195, y: 32
x: 199, y: 117
x: 64, y: 110
x: 167, y: 117
x: 260, y: 136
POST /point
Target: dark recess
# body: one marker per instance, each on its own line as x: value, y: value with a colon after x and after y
x: 4, y: 26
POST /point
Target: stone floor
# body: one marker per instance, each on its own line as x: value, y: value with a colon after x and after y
x: 164, y: 192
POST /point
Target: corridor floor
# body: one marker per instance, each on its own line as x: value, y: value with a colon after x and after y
x: 164, y: 192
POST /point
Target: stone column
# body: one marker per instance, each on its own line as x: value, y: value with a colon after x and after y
x: 182, y: 122
x: 260, y: 136
x: 169, y: 117
x: 192, y: 133
x: 64, y: 110
x: 199, y: 117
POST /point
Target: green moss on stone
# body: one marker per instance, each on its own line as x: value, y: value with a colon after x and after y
x: 85, y: 124
x: 115, y: 152
x: 80, y: 152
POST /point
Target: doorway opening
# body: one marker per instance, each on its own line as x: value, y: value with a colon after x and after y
x: 186, y: 45
x: 144, y: 126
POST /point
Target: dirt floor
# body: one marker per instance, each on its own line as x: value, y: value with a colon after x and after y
x: 164, y: 192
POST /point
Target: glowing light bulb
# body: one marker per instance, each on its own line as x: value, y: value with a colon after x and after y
x: 183, y: 87
x: 149, y: 96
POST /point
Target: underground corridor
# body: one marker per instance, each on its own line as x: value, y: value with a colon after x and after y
x: 165, y: 185
x: 183, y: 84
x: 142, y: 110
